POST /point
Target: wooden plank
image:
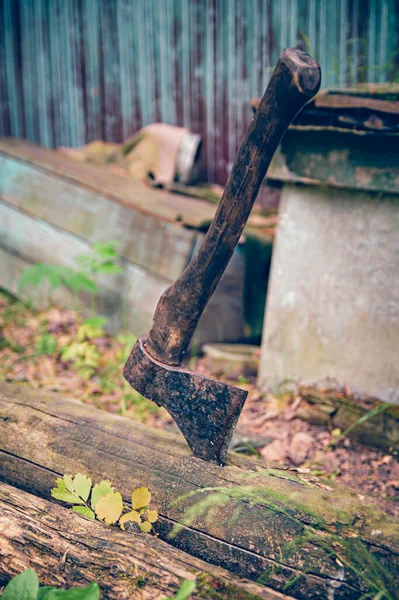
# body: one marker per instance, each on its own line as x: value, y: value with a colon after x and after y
x: 347, y: 101
x: 135, y: 313
x: 161, y: 204
x: 128, y: 300
x: 339, y: 158
x: 67, y: 550
x: 146, y: 240
x: 308, y: 540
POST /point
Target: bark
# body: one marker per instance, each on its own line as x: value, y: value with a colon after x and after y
x: 299, y: 536
x: 68, y: 550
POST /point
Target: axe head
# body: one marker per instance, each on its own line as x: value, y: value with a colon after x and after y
x: 206, y: 411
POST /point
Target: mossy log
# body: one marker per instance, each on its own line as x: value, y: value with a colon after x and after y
x: 380, y: 425
x: 293, y: 533
x: 67, y: 550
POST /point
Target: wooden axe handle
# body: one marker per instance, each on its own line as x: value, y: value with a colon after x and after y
x: 296, y: 79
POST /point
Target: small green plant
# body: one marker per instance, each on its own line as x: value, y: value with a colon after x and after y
x: 338, y: 435
x: 184, y: 592
x: 350, y: 552
x: 57, y: 276
x: 46, y: 344
x: 103, y: 502
x: 102, y: 260
x: 25, y: 586
x: 84, y: 357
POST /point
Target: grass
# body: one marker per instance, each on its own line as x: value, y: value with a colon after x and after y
x: 58, y: 350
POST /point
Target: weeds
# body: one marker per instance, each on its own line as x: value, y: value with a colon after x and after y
x: 60, y: 351
x: 346, y: 549
x: 101, y: 261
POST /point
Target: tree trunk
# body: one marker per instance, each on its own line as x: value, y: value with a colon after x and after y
x: 296, y: 534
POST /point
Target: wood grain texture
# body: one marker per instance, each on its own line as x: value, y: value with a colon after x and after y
x: 296, y: 79
x: 145, y: 238
x: 128, y: 299
x: 44, y: 435
x: 166, y: 206
x: 67, y: 550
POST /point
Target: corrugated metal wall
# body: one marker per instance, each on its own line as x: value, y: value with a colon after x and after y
x: 75, y: 70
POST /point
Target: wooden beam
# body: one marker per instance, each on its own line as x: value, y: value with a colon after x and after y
x: 302, y: 539
x: 146, y: 238
x: 67, y: 550
x: 99, y: 180
x: 127, y: 299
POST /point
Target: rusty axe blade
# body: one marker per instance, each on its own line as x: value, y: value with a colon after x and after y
x: 206, y: 410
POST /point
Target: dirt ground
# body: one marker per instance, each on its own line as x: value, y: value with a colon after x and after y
x: 57, y: 351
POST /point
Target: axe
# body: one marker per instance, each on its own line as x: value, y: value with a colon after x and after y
x: 206, y: 410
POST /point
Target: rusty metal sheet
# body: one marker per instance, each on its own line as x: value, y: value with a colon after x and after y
x: 75, y: 71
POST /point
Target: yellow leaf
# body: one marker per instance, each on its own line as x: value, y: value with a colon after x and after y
x: 152, y: 516
x: 133, y: 515
x: 146, y: 527
x: 141, y: 497
x: 109, y: 508
x: 100, y: 490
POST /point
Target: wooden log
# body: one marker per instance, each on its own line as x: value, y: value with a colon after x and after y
x: 332, y: 408
x: 67, y: 550
x: 300, y: 537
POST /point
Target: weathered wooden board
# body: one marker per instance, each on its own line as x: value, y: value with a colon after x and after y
x: 52, y: 210
x: 161, y: 204
x: 128, y: 299
x: 338, y: 158
x: 310, y: 542
x: 67, y: 550
x: 145, y: 239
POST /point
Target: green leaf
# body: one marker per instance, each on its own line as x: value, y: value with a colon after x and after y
x: 152, y: 516
x: 79, y: 281
x: 89, y: 332
x: 97, y: 321
x: 100, y: 490
x: 24, y: 586
x: 106, y: 250
x: 146, y: 527
x: 91, y: 592
x: 53, y: 275
x: 46, y: 344
x: 31, y: 276
x: 85, y: 511
x: 65, y: 491
x: 43, y: 591
x: 66, y: 496
x: 133, y: 515
x: 185, y: 591
x: 109, y: 268
x: 82, y: 485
